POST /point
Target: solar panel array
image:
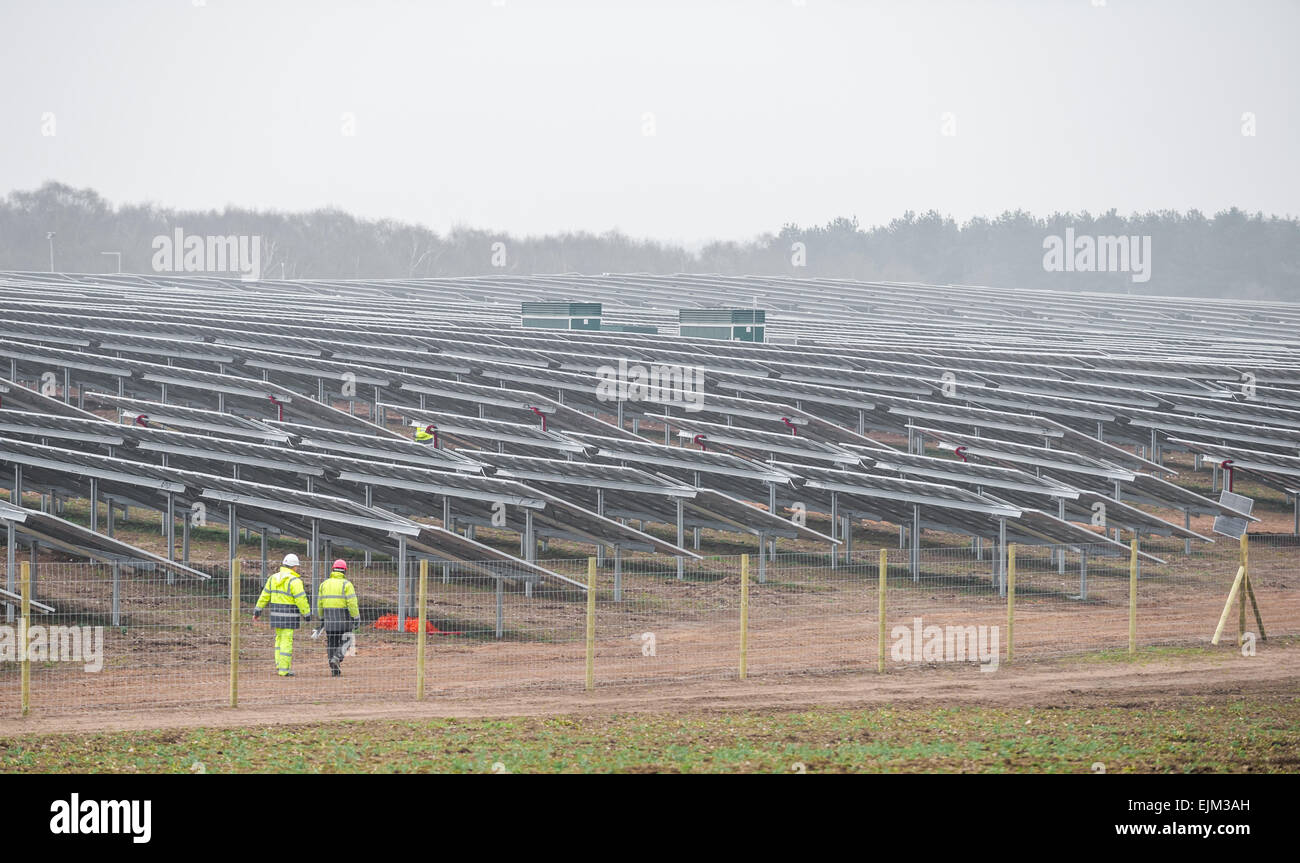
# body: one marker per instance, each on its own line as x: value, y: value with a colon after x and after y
x: 292, y: 407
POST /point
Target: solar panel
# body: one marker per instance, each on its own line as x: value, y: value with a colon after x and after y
x: 1231, y: 525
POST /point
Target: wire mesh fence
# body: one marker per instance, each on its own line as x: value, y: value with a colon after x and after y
x: 129, y: 636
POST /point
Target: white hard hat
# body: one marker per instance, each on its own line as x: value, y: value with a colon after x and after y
x: 291, y: 559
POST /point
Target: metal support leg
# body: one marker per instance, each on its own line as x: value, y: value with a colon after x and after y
x: 501, y: 597
x: 11, y: 552
x: 835, y: 519
x: 401, y: 584
x: 530, y: 539
x: 762, y: 558
x: 171, y: 528
x: 115, y: 616
x: 370, y: 501
x: 1002, y: 557
x: 1060, y: 550
x: 618, y: 573
x: 1083, y: 574
x: 600, y: 510
x: 315, y: 562
x: 94, y: 504
x: 916, y: 542
x: 681, y: 535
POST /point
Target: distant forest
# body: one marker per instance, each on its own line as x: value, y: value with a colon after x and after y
x: 1232, y: 254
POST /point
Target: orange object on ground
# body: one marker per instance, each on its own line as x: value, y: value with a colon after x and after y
x: 389, y: 622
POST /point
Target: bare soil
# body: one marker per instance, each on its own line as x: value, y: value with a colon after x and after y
x: 1274, y: 671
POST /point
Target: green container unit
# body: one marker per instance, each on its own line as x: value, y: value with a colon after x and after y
x: 562, y: 316
x: 629, y: 328
x: 742, y: 325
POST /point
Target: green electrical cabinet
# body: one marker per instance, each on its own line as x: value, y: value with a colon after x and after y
x: 743, y: 325
x: 562, y: 316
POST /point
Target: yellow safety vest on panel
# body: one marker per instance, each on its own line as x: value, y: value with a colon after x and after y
x: 422, y: 434
x: 288, y: 600
x: 338, y: 603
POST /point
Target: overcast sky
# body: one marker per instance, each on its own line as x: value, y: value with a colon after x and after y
x: 678, y: 121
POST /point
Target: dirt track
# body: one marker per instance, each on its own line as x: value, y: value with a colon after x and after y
x: 1275, y: 671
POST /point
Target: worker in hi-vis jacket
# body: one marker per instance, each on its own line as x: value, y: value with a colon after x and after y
x: 339, y: 613
x: 285, y: 594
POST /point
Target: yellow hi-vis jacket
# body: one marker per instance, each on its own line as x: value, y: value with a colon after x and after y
x: 338, y: 603
x: 288, y: 600
x: 422, y: 434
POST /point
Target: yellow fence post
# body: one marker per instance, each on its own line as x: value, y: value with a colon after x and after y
x: 591, y: 623
x: 744, y: 615
x: 1241, y: 597
x: 1133, y: 595
x: 26, y: 620
x: 880, y: 611
x: 1227, y: 606
x: 234, y: 632
x: 1249, y: 589
x: 1011, y: 601
x: 419, y: 644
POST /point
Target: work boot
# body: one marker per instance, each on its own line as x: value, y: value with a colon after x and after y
x: 334, y: 667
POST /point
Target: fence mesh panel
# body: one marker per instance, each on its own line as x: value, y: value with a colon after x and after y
x: 131, y: 637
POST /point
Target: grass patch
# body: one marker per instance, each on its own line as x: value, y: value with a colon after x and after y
x: 1259, y: 734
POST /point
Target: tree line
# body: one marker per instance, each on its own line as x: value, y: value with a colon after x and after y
x: 1231, y: 254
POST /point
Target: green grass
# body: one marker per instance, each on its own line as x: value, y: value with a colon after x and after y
x: 1260, y: 734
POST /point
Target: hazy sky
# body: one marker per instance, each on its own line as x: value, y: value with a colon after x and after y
x: 679, y: 121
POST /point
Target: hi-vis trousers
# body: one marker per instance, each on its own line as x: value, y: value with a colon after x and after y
x: 284, y: 651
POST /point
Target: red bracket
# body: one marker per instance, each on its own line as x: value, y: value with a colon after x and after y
x: 699, y: 439
x: 279, y: 408
x: 961, y: 453
x: 794, y: 431
x: 540, y: 414
x: 1227, y: 467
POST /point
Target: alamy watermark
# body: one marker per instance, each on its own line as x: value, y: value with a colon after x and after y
x: 1100, y: 254
x: 919, y: 643
x: 235, y: 254
x: 657, y: 383
x: 84, y: 644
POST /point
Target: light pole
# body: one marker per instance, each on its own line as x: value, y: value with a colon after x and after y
x: 50, y: 236
x: 119, y: 259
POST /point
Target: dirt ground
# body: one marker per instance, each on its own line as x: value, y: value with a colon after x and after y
x: 173, y: 651
x: 1146, y: 682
